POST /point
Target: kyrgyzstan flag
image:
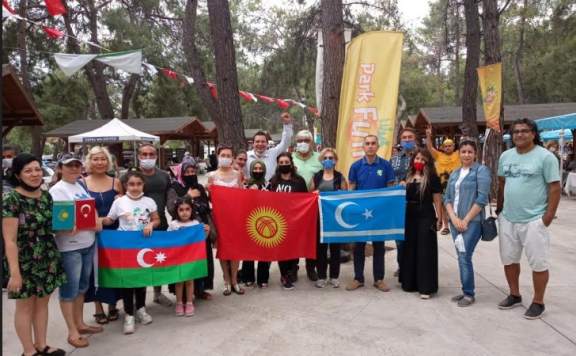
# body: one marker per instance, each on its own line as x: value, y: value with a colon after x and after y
x: 128, y: 259
x: 264, y: 226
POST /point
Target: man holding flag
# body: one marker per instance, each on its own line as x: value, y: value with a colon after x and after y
x: 370, y: 172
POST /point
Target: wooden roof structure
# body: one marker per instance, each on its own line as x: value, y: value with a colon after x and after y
x: 446, y: 120
x: 18, y: 108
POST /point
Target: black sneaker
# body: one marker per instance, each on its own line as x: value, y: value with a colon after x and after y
x: 293, y: 274
x: 535, y: 311
x: 312, y: 275
x: 510, y: 302
x: 286, y: 283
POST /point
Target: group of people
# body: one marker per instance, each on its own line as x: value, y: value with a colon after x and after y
x: 446, y: 189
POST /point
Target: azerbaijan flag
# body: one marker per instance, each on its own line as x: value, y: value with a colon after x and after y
x: 128, y: 259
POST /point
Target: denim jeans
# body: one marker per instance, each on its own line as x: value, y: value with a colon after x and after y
x: 78, y: 266
x: 377, y: 261
x: 471, y: 238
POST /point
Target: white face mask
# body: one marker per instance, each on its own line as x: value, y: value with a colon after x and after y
x: 148, y: 163
x: 7, y: 163
x: 135, y: 197
x: 224, y: 162
x: 302, y: 147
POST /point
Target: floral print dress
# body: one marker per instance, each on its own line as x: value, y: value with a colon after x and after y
x: 38, y: 256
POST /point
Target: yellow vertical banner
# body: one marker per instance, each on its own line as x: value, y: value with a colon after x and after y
x: 369, y: 95
x: 490, y: 78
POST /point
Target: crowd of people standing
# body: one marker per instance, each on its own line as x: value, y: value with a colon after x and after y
x: 447, y: 190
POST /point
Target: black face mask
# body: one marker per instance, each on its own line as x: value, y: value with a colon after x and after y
x: 258, y: 175
x: 190, y: 180
x: 29, y: 188
x: 285, y: 168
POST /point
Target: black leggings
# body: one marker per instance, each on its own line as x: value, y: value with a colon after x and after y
x: 128, y: 295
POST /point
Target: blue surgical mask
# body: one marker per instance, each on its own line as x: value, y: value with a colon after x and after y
x: 328, y: 164
x: 408, y: 145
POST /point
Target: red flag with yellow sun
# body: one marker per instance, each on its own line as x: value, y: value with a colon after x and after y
x: 264, y: 226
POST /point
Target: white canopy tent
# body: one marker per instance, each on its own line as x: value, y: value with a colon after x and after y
x: 115, y: 131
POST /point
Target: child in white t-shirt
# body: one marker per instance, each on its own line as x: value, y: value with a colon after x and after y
x: 135, y: 212
x: 183, y: 216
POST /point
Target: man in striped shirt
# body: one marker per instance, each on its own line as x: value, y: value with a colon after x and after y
x: 261, y: 151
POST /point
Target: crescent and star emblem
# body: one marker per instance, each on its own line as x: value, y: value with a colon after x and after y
x: 159, y: 257
x: 85, y: 210
x: 340, y: 210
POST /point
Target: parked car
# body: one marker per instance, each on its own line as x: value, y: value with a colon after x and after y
x: 47, y: 175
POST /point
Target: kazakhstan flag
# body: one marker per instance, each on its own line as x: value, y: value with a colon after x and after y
x: 362, y: 215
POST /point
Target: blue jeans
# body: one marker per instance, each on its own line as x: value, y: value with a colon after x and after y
x: 471, y: 238
x: 78, y: 267
x: 377, y: 262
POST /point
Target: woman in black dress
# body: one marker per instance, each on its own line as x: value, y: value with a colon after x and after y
x: 419, y: 269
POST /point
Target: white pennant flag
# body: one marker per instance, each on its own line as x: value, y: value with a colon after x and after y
x: 189, y: 80
x: 150, y: 68
x: 71, y: 63
x: 130, y: 62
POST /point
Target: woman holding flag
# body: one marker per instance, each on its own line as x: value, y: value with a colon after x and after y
x: 327, y: 180
x: 419, y: 269
x: 227, y: 176
x: 77, y: 248
x: 286, y: 180
x: 34, y: 264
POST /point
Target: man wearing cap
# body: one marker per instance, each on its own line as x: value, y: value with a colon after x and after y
x: 446, y: 161
x: 268, y: 155
x: 307, y: 164
x: 156, y: 187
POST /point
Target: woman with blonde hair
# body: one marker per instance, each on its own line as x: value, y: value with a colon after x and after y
x: 104, y: 189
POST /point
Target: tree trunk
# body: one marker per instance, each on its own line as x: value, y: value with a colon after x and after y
x: 457, y: 39
x: 518, y: 56
x: 195, y: 65
x: 232, y: 130
x: 127, y: 94
x: 36, y: 131
x: 94, y: 70
x: 333, y: 36
x: 470, y: 93
x: 494, y: 143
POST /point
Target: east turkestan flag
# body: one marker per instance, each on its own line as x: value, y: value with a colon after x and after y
x: 362, y: 215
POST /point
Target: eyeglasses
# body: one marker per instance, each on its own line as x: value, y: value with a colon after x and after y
x: 328, y: 158
x: 521, y: 131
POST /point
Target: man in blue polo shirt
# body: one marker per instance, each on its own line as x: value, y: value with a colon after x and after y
x: 370, y: 172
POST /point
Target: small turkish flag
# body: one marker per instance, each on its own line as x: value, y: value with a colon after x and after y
x: 282, y: 104
x: 55, y: 7
x: 266, y: 99
x: 85, y: 214
x: 53, y: 33
x: 170, y: 73
x: 213, y: 90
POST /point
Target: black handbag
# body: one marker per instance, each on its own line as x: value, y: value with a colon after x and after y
x: 489, y: 230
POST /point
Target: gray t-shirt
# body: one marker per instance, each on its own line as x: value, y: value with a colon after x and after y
x: 527, y: 178
x: 156, y: 187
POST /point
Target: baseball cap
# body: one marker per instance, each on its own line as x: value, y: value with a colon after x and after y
x: 68, y: 158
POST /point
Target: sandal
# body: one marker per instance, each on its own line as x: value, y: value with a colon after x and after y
x: 445, y: 231
x: 113, y: 314
x: 237, y: 289
x: 91, y: 330
x: 101, y: 318
x: 56, y: 352
x: 80, y: 342
x: 227, y: 290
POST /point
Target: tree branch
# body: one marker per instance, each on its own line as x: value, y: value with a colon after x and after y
x: 504, y: 7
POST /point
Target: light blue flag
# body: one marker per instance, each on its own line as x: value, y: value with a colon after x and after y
x: 362, y: 215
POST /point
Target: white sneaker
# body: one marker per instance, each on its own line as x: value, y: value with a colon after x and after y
x: 334, y: 282
x: 143, y: 317
x: 321, y: 283
x: 128, y: 326
x: 163, y: 300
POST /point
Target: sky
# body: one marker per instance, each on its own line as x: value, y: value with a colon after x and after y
x: 412, y: 11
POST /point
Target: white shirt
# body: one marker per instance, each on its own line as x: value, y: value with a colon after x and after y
x: 463, y: 173
x: 133, y: 215
x: 177, y: 225
x: 64, y: 191
x: 269, y: 156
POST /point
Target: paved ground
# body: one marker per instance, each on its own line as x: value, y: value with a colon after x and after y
x: 311, y: 321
